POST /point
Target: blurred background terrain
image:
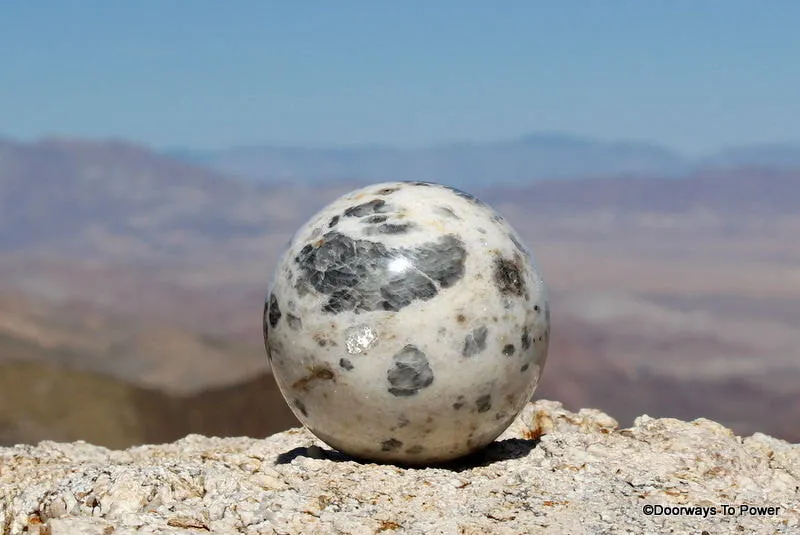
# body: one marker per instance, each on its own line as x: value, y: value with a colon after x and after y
x: 133, y: 273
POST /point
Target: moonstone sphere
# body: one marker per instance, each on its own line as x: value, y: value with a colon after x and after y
x: 407, y: 323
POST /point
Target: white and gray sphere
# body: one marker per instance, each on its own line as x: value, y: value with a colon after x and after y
x: 407, y: 323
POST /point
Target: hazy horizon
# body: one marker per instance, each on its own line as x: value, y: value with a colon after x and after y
x: 554, y: 135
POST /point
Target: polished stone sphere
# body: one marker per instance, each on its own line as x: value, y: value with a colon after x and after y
x: 407, y: 323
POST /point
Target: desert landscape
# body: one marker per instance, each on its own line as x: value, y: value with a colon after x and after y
x: 132, y: 284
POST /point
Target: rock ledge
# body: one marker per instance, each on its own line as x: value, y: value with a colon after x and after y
x: 552, y: 471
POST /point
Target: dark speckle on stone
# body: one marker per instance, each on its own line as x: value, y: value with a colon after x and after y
x: 345, y: 364
x: 333, y: 222
x: 415, y: 450
x: 274, y: 354
x: 265, y: 320
x: 446, y: 211
x: 403, y: 421
x: 376, y: 219
x: 442, y: 260
x: 475, y: 342
x: 518, y: 244
x: 508, y: 276
x: 536, y: 308
x: 395, y: 228
x: 525, y: 339
x: 410, y: 372
x: 419, y: 183
x: 301, y: 407
x: 484, y: 403
x: 464, y: 195
x: 294, y: 322
x: 395, y: 298
x: 387, y: 191
x: 525, y: 367
x: 302, y: 287
x: 339, y: 301
x: 375, y: 206
x: 391, y: 444
x: 460, y: 402
x: 508, y: 350
x: 274, y: 311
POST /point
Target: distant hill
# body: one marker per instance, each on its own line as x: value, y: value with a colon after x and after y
x: 41, y: 401
x: 123, y: 200
x: 124, y: 264
x: 776, y: 155
x: 533, y: 157
x: 731, y: 192
x: 84, y: 197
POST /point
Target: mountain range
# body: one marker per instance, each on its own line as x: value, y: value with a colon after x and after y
x: 536, y: 156
x: 112, y: 198
x: 138, y: 280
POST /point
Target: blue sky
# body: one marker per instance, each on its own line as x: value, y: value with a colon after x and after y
x: 691, y: 74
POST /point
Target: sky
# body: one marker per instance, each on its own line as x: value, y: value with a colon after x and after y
x: 200, y: 74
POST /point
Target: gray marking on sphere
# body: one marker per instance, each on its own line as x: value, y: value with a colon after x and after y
x: 386, y: 191
x: 391, y: 444
x: 446, y: 211
x: 464, y: 195
x: 390, y: 228
x: 375, y: 206
x: 475, y: 342
x: 410, y: 372
x: 274, y: 311
x: 301, y: 407
x: 518, y: 244
x: 361, y: 275
x: 294, y: 322
x: 525, y: 338
x: 484, y: 403
x: 508, y: 276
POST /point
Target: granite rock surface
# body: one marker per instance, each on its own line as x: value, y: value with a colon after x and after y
x: 552, y: 471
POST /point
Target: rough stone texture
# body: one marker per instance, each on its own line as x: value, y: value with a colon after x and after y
x: 552, y: 471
